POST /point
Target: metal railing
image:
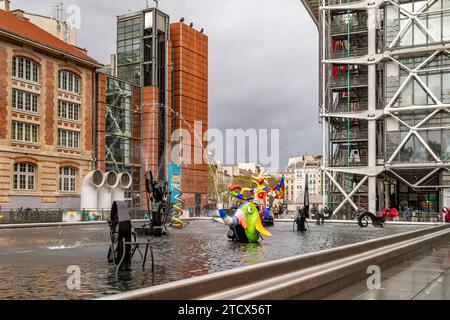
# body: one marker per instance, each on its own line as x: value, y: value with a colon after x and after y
x: 356, y: 52
x: 343, y: 27
x: 343, y: 107
x: 355, y: 80
x: 342, y: 161
x: 338, y: 2
x: 35, y: 215
x: 354, y: 134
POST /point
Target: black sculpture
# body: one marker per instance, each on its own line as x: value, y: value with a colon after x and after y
x: 377, y: 221
x: 157, y: 195
x: 123, y: 239
x: 303, y: 213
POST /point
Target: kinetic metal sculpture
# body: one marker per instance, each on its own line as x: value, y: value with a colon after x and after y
x: 377, y: 221
x: 123, y: 239
x: 303, y: 213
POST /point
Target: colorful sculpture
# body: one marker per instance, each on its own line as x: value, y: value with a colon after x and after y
x: 176, y: 196
x: 246, y: 224
x: 390, y: 214
x: 261, y: 193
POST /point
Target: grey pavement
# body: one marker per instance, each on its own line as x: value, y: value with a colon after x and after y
x: 424, y: 277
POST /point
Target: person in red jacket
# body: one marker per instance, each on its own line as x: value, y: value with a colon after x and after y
x: 446, y: 214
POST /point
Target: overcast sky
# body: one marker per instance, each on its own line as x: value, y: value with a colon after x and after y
x: 263, y: 60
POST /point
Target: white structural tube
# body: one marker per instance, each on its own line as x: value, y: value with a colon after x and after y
x: 91, y: 182
x: 118, y: 193
x: 104, y: 191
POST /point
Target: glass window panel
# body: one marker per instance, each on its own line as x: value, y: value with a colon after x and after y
x: 406, y: 95
x: 27, y: 133
x: 446, y: 87
x: 420, y: 152
x: 30, y: 182
x: 445, y: 155
x: 27, y: 69
x: 15, y: 66
x: 20, y: 68
x: 434, y: 27
x: 434, y: 141
x: 420, y: 95
x: 22, y: 184
x: 407, y: 152
x: 446, y: 27
x: 434, y: 84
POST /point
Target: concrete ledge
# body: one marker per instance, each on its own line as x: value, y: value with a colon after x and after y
x: 231, y: 279
x: 326, y: 279
x: 85, y: 223
x: 216, y: 219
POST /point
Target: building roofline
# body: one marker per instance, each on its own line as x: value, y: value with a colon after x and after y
x: 312, y: 6
x: 46, y: 47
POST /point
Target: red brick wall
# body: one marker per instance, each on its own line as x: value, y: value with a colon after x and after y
x: 3, y: 92
x: 49, y: 105
x: 88, y: 109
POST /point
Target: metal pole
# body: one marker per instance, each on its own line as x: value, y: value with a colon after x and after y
x: 324, y: 111
x: 372, y: 129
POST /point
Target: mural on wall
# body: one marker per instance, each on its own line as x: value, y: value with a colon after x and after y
x: 81, y: 215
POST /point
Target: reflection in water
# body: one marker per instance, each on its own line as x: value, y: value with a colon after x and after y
x: 30, y: 269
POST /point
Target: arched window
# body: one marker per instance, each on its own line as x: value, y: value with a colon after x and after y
x: 25, y: 69
x: 69, y: 81
x: 67, y: 179
x: 24, y: 176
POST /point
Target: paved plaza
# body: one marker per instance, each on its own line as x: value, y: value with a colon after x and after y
x: 424, y: 277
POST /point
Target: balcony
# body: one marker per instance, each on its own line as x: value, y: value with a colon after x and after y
x: 343, y: 107
x: 340, y: 2
x: 353, y: 135
x: 342, y: 27
x: 344, y: 81
x: 354, y: 52
x: 341, y: 160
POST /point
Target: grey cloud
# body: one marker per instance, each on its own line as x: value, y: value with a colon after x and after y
x: 263, y: 60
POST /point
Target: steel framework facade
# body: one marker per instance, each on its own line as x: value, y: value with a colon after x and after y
x: 384, y: 101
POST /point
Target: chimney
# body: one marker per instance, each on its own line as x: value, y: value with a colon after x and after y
x: 7, y: 4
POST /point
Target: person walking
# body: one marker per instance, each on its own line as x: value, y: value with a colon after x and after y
x: 446, y: 213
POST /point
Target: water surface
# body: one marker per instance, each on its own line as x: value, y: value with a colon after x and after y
x: 33, y: 262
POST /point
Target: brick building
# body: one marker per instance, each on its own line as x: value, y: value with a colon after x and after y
x: 46, y: 116
x: 167, y: 65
